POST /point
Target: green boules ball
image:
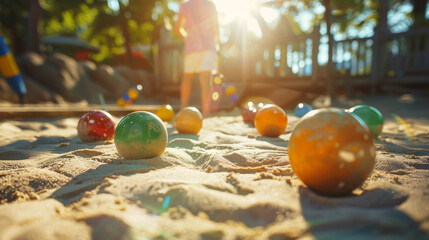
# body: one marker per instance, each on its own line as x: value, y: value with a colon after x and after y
x: 140, y: 135
x: 371, y: 116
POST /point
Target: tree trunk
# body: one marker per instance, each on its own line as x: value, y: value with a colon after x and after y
x: 125, y: 31
x: 419, y: 12
x: 419, y: 7
x: 17, y: 44
x: 33, y: 26
x: 379, y: 47
x: 331, y: 83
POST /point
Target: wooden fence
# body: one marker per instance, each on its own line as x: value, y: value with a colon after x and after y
x: 405, y: 58
x: 386, y: 60
x: 291, y: 62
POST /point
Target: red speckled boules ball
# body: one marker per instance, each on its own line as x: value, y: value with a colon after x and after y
x: 96, y: 126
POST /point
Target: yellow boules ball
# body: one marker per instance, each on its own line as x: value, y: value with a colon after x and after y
x: 189, y: 120
x: 165, y: 112
x: 217, y: 80
x: 215, y: 96
x: 230, y: 90
x: 122, y: 103
x: 133, y: 93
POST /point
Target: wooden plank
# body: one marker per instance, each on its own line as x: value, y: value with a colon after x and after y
x: 314, y: 57
x: 41, y: 111
x: 426, y: 57
x: 283, y: 61
x: 407, y: 80
x: 301, y: 58
x: 408, y: 34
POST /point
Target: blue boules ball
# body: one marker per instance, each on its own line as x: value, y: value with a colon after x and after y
x: 302, y: 109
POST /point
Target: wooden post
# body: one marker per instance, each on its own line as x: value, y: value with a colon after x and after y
x: 315, y: 54
x: 125, y: 31
x: 378, y: 47
x: 330, y: 83
x: 283, y: 60
x: 34, y: 26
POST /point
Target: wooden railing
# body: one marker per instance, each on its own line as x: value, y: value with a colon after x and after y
x: 288, y: 61
x: 294, y: 62
x: 353, y: 57
x: 406, y: 57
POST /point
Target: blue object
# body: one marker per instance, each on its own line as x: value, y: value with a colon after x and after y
x: 166, y: 203
x: 9, y: 70
x: 234, y: 97
x: 17, y: 84
x: 302, y: 109
x: 126, y: 97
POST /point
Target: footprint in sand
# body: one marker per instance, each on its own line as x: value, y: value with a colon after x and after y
x: 86, y: 153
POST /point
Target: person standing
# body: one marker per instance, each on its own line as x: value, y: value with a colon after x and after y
x: 198, y: 26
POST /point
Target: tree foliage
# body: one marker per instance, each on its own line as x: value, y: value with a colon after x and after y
x: 348, y: 14
x: 91, y: 20
x: 135, y: 22
x: 13, y: 19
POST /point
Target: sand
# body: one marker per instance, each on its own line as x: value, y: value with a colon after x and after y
x: 227, y: 182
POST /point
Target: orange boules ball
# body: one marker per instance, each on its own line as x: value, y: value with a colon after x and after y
x: 271, y: 121
x: 165, y: 112
x: 189, y: 120
x: 133, y: 93
x: 331, y: 151
x: 230, y: 90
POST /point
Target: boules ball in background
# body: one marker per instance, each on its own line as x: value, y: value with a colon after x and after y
x: 302, y: 109
x: 165, y: 112
x: 371, y: 116
x: 141, y: 135
x: 249, y: 112
x: 270, y: 120
x: 95, y: 126
x: 331, y: 151
x: 250, y: 106
x: 189, y: 120
x: 230, y: 90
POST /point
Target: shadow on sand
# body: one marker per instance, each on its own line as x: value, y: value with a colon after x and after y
x: 371, y: 215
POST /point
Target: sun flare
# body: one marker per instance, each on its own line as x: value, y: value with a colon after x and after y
x: 239, y: 10
x: 236, y: 9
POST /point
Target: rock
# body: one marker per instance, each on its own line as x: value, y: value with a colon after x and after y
x: 62, y: 75
x: 57, y: 80
x: 6, y: 93
x: 66, y: 64
x: 37, y: 93
x: 85, y: 88
x: 129, y: 74
x: 89, y: 90
x: 107, y: 77
x: 89, y: 66
x: 138, y: 77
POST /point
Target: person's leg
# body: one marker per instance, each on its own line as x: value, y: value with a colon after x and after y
x: 205, y: 79
x: 185, y: 88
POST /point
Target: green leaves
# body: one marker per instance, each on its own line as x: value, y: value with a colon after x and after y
x: 94, y: 21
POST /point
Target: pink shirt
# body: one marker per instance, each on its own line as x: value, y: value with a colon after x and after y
x: 200, y: 24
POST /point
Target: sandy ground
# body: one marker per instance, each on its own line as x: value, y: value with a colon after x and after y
x: 227, y: 182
